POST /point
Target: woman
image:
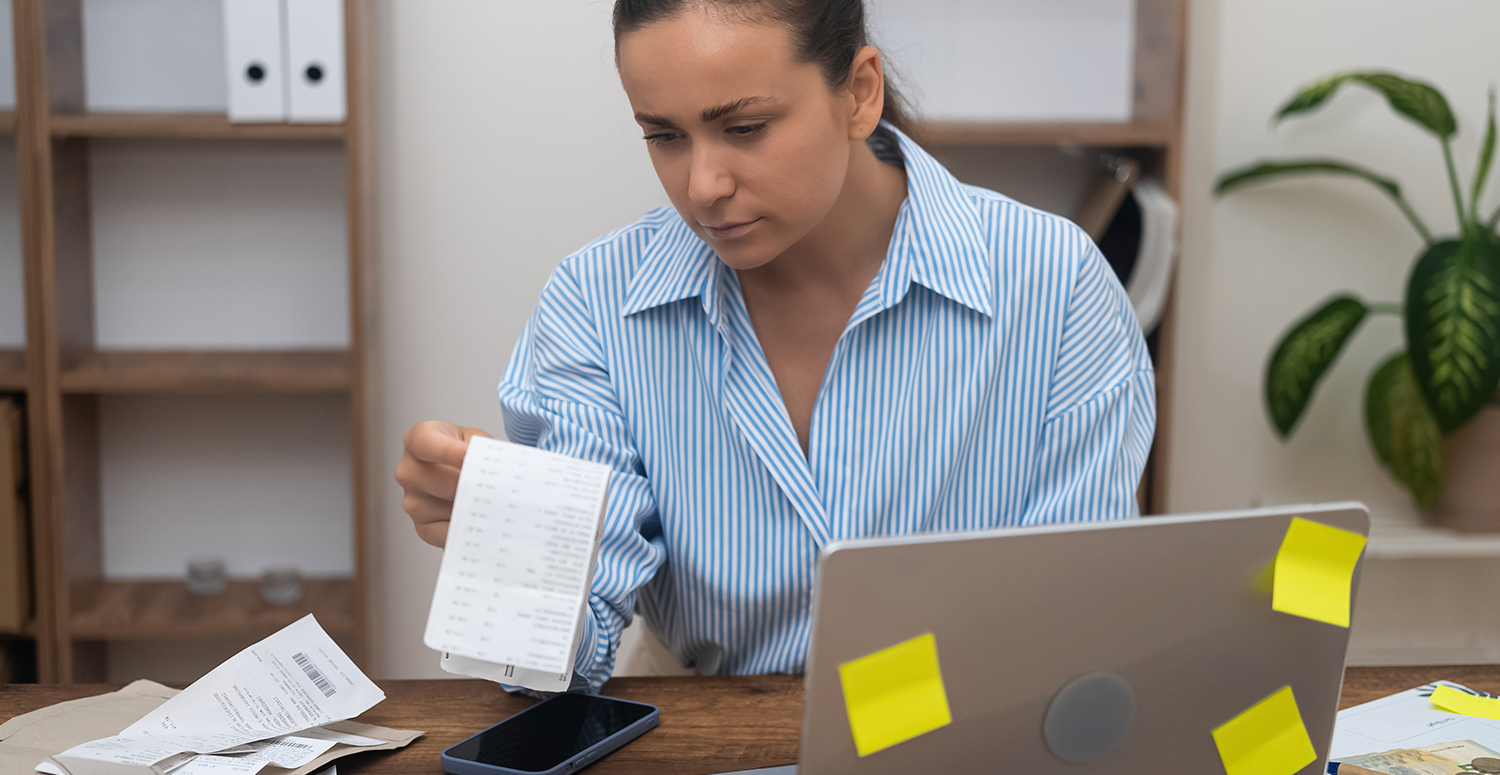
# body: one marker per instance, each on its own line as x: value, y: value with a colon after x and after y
x: 825, y: 337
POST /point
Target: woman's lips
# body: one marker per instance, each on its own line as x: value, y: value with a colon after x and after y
x: 730, y: 231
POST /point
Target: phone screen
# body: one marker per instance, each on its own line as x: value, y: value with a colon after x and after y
x: 550, y: 733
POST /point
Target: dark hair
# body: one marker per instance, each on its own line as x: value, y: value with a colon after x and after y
x: 826, y: 32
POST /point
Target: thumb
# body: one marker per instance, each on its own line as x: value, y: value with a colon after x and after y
x: 438, y: 442
x: 466, y: 434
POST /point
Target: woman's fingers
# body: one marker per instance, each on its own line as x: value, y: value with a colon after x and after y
x: 425, y: 512
x: 428, y: 472
x: 470, y: 433
x: 429, y: 478
x: 435, y: 533
x: 437, y: 442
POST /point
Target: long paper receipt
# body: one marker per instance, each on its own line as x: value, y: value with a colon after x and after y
x: 261, y: 707
x: 519, y: 560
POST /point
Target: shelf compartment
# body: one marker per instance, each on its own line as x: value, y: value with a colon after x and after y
x: 1133, y: 134
x: 12, y: 369
x: 151, y: 610
x: 27, y: 631
x: 195, y: 371
x: 184, y: 125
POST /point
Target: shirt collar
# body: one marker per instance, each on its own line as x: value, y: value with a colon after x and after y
x: 938, y: 243
x: 676, y: 264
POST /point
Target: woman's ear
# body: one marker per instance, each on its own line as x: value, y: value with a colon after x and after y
x: 867, y: 86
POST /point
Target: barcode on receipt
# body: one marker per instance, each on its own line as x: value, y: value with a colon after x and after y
x: 314, y: 674
x: 279, y: 743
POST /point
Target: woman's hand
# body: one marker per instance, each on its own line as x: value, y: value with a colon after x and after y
x: 429, y: 474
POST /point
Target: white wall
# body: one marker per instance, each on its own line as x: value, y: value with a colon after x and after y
x: 256, y: 480
x: 1257, y: 260
x: 219, y: 245
x: 505, y: 144
x: 154, y: 55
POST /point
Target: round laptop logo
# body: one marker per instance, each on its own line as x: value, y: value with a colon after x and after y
x: 1089, y: 717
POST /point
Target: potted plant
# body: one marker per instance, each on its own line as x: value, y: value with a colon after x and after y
x: 1447, y: 376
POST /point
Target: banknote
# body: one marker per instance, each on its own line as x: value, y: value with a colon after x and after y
x: 1461, y: 756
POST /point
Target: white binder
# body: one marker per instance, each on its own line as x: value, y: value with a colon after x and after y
x: 315, y: 59
x: 254, y: 60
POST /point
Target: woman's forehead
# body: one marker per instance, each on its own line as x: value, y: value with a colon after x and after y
x: 703, y: 39
x: 705, y: 58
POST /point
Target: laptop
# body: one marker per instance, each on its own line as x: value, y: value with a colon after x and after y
x: 1034, y: 625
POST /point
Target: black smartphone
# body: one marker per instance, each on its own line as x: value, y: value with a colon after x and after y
x: 558, y: 735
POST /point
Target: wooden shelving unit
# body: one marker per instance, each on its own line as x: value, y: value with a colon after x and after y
x: 13, y: 370
x: 64, y: 372
x: 172, y: 371
x: 189, y: 126
x: 1153, y: 137
x: 1136, y: 133
x: 152, y: 610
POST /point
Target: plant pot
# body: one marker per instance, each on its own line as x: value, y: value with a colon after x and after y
x: 1470, y: 500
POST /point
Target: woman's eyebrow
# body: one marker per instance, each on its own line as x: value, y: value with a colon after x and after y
x: 718, y: 111
x: 708, y: 114
x: 653, y: 119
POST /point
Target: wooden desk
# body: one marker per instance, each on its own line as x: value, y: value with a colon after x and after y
x: 708, y: 725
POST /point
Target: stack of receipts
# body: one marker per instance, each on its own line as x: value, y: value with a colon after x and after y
x: 265, y: 706
x: 514, y: 582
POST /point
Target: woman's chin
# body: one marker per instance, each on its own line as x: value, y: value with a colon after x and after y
x: 744, y: 257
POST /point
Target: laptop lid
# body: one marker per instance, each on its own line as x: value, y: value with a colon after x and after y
x: 1177, y: 609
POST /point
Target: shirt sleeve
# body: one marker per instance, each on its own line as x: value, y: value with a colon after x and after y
x: 557, y: 395
x: 1101, y: 408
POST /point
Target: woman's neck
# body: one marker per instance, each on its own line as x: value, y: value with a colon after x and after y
x: 846, y: 249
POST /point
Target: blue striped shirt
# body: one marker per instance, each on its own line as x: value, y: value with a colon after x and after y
x: 992, y: 375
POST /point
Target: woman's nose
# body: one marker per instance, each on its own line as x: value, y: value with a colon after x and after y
x: 709, y: 180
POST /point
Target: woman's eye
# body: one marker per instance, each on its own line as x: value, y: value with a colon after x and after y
x: 660, y: 138
x: 749, y: 129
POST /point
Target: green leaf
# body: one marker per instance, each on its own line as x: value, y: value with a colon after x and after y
x: 1415, y: 100
x: 1486, y: 157
x: 1453, y: 327
x: 1402, y: 430
x: 1304, y: 355
x: 1264, y: 170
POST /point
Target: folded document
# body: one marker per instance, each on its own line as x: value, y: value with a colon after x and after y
x: 274, y: 704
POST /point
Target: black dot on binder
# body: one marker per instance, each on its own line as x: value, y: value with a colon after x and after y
x: 314, y: 73
x: 255, y: 72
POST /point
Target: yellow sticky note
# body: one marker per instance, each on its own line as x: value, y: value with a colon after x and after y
x: 1267, y: 739
x: 895, y: 694
x: 1455, y: 701
x: 1315, y: 571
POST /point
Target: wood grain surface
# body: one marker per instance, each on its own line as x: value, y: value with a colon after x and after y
x: 161, y: 610
x: 12, y: 370
x: 204, y: 371
x: 1129, y: 134
x: 195, y: 126
x: 708, y: 724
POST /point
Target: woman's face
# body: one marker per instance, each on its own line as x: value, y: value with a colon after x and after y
x: 750, y: 144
